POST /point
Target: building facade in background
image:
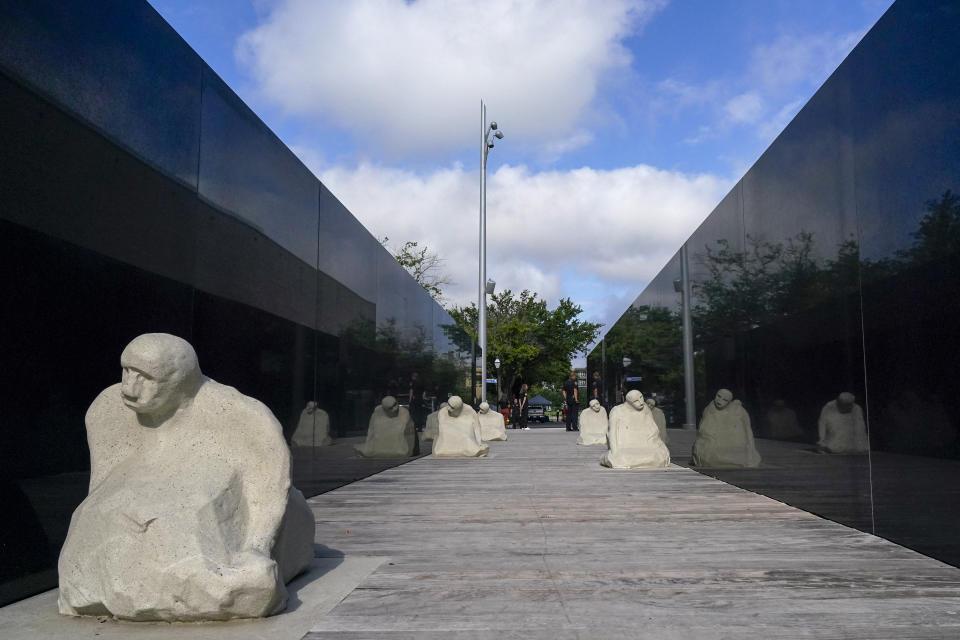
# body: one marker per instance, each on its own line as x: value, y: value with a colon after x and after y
x: 140, y: 194
x: 834, y: 265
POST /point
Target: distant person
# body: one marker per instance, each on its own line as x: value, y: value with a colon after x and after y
x: 515, y: 413
x: 524, y: 409
x: 571, y: 394
x: 596, y: 388
x: 418, y: 398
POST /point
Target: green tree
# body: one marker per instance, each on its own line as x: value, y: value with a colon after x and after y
x: 651, y: 338
x: 533, y: 343
x: 424, y: 265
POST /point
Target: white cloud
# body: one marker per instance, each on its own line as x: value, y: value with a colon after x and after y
x: 745, y: 108
x: 806, y: 60
x: 406, y: 77
x: 579, y: 234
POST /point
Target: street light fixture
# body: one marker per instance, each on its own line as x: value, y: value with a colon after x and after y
x: 485, y: 287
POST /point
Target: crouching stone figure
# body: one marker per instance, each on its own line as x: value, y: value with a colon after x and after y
x: 190, y: 513
x: 459, y: 434
x: 634, y: 439
x: 491, y: 424
x: 593, y: 424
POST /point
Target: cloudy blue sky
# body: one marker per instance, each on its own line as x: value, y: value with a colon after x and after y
x: 626, y: 121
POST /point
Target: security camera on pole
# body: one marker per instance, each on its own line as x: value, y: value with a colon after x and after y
x: 486, y: 286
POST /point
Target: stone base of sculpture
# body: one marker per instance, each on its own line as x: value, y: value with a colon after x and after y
x: 190, y: 514
x: 724, y: 437
x: 313, y: 428
x: 492, y: 426
x: 634, y: 439
x: 390, y: 433
x: 593, y: 425
x: 459, y: 435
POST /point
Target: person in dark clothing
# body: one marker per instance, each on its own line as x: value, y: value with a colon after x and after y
x: 572, y: 395
x: 515, y: 413
x: 596, y: 388
x: 522, y: 399
x: 418, y: 397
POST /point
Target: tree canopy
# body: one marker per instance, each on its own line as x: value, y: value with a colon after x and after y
x: 533, y: 343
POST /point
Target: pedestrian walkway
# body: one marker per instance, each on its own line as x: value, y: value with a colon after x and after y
x: 539, y: 541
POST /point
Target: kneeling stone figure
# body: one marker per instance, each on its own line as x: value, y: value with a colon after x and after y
x: 491, y: 424
x: 634, y: 439
x: 593, y: 425
x: 190, y: 513
x: 459, y: 435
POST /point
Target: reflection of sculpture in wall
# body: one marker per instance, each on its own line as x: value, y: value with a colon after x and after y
x: 491, y: 424
x: 659, y: 418
x: 634, y: 438
x: 782, y: 423
x: 459, y: 435
x: 724, y: 437
x: 390, y: 433
x: 313, y: 429
x: 432, y: 430
x: 593, y: 424
x: 190, y: 513
x: 841, y: 426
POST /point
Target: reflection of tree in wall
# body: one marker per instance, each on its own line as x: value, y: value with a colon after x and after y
x: 651, y: 338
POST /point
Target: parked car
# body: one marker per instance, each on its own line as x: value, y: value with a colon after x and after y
x: 536, y: 413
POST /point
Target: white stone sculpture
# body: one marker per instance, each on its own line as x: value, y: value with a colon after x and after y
x: 841, y: 427
x: 782, y: 422
x: 593, y: 425
x: 634, y: 438
x: 190, y: 513
x: 724, y: 437
x: 459, y: 432
x: 432, y: 428
x: 313, y: 429
x: 660, y: 418
x: 391, y: 433
x: 492, y: 426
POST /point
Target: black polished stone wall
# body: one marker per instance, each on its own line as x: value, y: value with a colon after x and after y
x: 140, y: 194
x: 834, y: 265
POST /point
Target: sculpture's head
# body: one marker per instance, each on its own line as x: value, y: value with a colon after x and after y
x: 160, y: 371
x: 311, y: 407
x: 390, y: 405
x: 845, y: 402
x: 595, y: 405
x: 454, y: 405
x: 722, y: 399
x: 635, y: 400
x: 484, y: 407
x: 651, y: 403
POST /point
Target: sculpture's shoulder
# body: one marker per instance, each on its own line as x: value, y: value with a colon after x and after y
x: 106, y: 403
x: 828, y: 409
x: 221, y: 402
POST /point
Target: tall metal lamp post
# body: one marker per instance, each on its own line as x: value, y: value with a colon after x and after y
x: 486, y: 286
x: 496, y: 363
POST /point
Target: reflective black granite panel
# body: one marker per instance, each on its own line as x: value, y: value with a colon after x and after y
x: 246, y: 171
x: 115, y: 64
x: 348, y: 253
x: 907, y: 131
